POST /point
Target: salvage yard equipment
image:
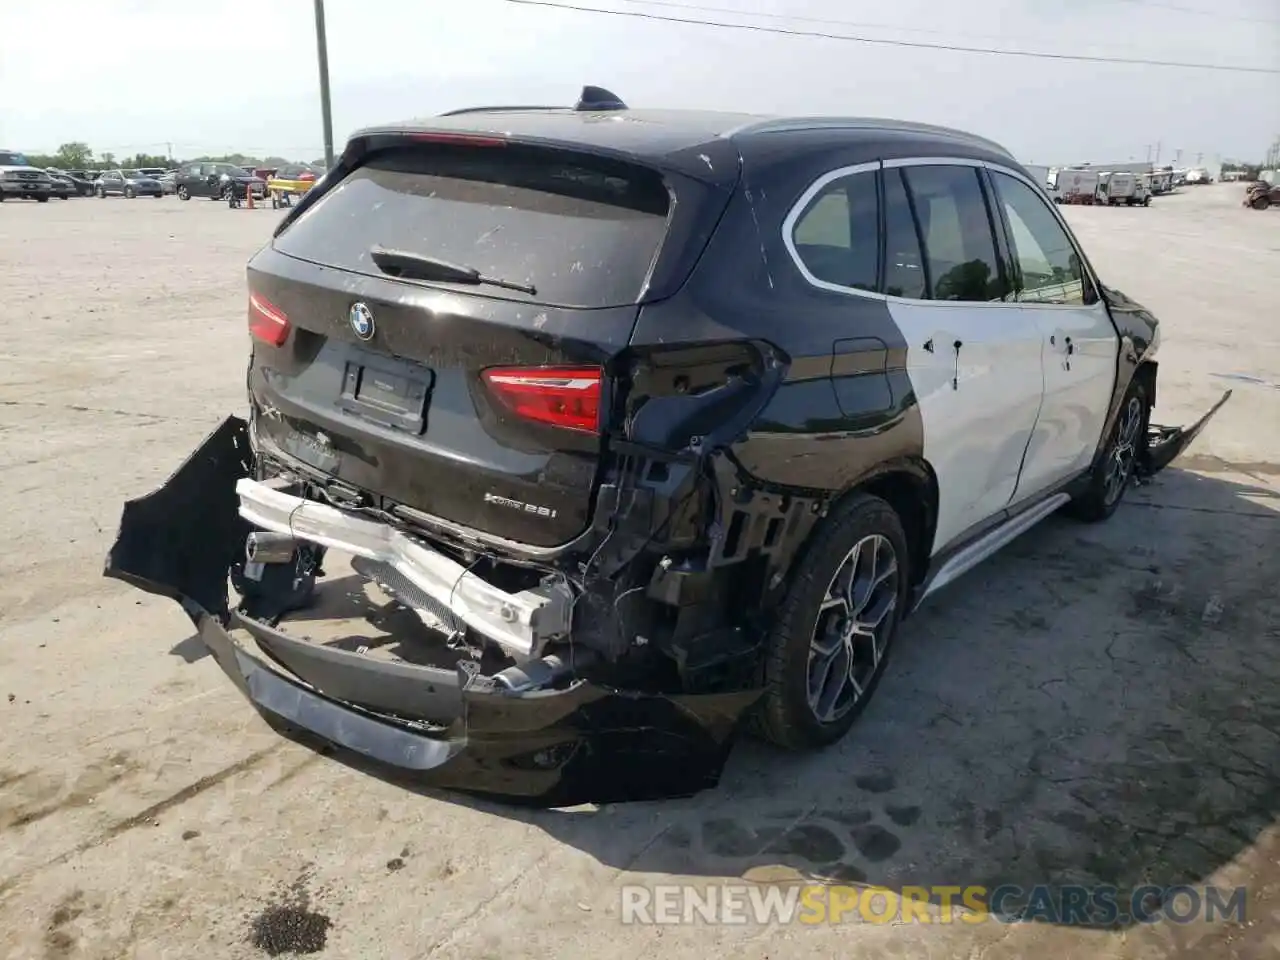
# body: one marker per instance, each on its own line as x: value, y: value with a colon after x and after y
x: 669, y: 454
x: 1260, y: 195
x: 290, y: 182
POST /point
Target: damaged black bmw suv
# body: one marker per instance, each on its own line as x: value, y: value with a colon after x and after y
x: 578, y: 435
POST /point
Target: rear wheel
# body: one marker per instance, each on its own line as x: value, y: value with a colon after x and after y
x: 829, y: 645
x: 42, y: 199
x: 130, y: 193
x: 183, y: 193
x: 1261, y: 203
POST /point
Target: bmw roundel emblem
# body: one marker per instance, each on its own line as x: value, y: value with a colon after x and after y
x: 361, y: 318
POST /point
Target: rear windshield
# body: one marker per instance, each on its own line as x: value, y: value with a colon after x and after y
x: 582, y: 231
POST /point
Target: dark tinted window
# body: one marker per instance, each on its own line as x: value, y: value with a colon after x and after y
x: 584, y: 231
x: 959, y: 246
x: 836, y: 237
x: 1049, y: 268
x: 904, y: 274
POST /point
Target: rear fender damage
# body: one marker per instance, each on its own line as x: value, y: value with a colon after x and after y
x: 582, y: 741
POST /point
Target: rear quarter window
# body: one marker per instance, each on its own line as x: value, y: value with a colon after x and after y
x: 584, y: 231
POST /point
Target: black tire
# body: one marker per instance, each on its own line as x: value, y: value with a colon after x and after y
x: 788, y: 714
x: 183, y: 193
x: 42, y: 199
x: 1261, y: 203
x: 130, y: 193
x: 1146, y: 201
x: 1115, y: 468
x: 102, y: 194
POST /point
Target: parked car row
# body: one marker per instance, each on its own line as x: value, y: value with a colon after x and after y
x: 218, y: 181
x: 215, y: 180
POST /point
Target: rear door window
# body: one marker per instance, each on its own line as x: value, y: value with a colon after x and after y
x: 583, y: 231
x: 904, y: 272
x: 837, y: 235
x: 959, y: 245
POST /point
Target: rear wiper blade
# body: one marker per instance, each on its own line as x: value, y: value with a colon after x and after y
x: 416, y: 266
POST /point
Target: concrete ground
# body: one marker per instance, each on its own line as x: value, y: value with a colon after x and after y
x: 1096, y: 704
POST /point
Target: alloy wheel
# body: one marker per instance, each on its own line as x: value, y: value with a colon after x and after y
x: 853, y: 628
x: 1124, y: 452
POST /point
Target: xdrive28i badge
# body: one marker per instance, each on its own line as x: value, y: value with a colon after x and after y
x: 361, y: 318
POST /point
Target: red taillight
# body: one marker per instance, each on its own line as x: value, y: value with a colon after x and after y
x: 566, y: 397
x: 307, y: 175
x: 460, y: 139
x: 267, y: 322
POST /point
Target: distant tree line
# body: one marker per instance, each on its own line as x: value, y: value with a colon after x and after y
x: 78, y: 156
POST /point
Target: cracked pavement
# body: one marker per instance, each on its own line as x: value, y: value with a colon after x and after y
x: 1097, y: 704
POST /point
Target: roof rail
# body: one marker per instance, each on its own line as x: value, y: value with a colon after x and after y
x: 591, y: 99
x: 498, y: 109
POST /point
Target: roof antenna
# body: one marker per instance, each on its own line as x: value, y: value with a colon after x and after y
x: 598, y: 98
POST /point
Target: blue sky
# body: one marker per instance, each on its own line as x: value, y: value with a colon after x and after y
x: 213, y: 76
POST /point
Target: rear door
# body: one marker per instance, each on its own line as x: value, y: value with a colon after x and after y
x: 479, y: 401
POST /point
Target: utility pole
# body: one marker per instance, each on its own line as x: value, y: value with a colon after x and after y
x: 1148, y: 153
x: 1158, y: 142
x: 1177, y: 156
x: 322, y: 54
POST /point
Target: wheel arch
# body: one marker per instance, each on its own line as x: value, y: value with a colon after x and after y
x: 910, y: 486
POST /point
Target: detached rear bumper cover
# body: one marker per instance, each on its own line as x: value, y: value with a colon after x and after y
x: 587, y: 743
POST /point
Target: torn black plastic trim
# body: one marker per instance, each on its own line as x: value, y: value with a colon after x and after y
x: 180, y: 541
x: 1164, y: 444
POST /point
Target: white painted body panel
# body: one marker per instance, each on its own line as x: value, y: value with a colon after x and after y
x: 975, y: 432
x: 1077, y: 392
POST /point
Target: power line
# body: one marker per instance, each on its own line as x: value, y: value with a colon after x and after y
x: 912, y: 44
x: 860, y: 24
x: 797, y: 18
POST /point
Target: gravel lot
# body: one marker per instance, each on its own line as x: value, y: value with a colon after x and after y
x: 1096, y: 704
